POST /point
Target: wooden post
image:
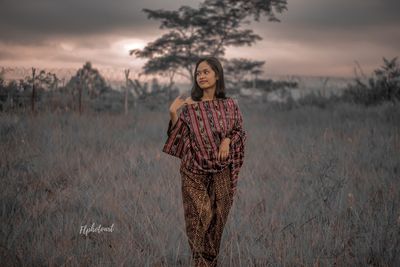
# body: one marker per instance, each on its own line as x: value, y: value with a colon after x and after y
x: 126, y: 91
x: 80, y: 93
x: 254, y: 81
x: 324, y: 83
x: 33, y: 90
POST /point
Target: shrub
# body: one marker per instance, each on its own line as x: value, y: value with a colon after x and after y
x: 384, y: 85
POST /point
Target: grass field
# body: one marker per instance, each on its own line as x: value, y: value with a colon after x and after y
x: 319, y: 187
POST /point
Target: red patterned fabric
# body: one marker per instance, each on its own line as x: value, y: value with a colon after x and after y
x: 196, y: 136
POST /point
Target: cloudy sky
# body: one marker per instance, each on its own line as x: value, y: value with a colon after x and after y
x: 314, y: 37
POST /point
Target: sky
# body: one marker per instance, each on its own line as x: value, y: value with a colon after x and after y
x: 314, y: 37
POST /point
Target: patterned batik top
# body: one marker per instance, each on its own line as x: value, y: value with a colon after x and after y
x: 198, y: 132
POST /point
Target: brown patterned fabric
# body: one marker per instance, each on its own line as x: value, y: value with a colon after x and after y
x: 207, y: 199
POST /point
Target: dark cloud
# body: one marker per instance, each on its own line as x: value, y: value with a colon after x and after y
x: 33, y: 22
x: 343, y: 14
x: 336, y: 24
x: 26, y: 21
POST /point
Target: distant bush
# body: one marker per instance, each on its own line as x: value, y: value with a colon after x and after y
x: 17, y: 95
x: 318, y: 100
x: 384, y: 85
x: 269, y: 85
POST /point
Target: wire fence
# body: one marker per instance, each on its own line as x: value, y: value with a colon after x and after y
x: 18, y: 92
x: 115, y: 77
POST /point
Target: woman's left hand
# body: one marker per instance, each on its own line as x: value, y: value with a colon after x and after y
x: 223, y: 152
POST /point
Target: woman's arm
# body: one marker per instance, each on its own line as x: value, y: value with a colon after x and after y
x: 178, y: 137
x: 237, y: 133
x: 237, y: 146
x: 174, y: 118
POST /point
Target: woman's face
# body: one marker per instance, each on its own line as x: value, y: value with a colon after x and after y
x: 205, y: 76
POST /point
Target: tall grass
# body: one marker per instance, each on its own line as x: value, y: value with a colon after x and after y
x: 318, y: 188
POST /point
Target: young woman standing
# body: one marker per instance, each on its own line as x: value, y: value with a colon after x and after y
x: 209, y: 138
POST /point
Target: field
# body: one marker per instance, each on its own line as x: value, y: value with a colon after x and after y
x: 319, y: 187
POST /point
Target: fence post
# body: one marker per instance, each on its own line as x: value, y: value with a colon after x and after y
x: 80, y: 93
x: 126, y: 91
x: 33, y: 91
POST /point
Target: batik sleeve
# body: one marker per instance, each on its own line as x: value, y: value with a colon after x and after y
x: 238, y: 134
x: 236, y: 147
x: 177, y: 137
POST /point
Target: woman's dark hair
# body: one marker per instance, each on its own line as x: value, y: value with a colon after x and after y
x: 197, y: 92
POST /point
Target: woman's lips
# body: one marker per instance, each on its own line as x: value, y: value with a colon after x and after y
x: 203, y: 81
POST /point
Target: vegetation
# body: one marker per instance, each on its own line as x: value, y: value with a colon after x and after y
x: 89, y: 81
x: 27, y: 91
x: 86, y: 91
x: 237, y: 69
x: 383, y: 86
x: 318, y: 188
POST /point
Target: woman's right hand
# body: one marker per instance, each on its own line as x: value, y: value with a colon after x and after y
x: 177, y: 104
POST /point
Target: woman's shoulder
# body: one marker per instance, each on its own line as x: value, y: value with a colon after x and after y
x: 190, y: 101
x: 232, y: 100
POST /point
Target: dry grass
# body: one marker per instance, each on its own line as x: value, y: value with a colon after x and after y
x: 318, y: 188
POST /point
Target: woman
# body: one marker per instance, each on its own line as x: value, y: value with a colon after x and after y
x: 209, y: 139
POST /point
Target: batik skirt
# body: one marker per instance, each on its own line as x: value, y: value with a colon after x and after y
x: 207, y: 199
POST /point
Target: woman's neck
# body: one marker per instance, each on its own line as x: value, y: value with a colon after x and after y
x: 208, y: 95
x: 206, y: 99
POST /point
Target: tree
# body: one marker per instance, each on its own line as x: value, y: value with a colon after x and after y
x: 40, y: 82
x: 207, y: 30
x: 388, y: 79
x: 90, y: 80
x: 87, y: 81
x: 236, y: 69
